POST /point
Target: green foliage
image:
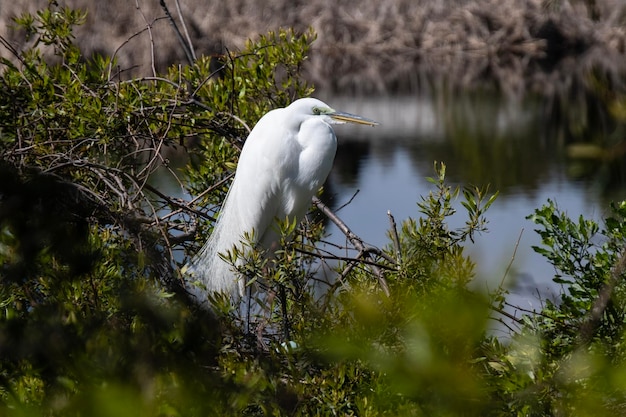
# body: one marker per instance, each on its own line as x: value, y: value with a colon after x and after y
x: 569, y: 358
x: 89, y: 323
x: 569, y: 247
x: 354, y: 351
x: 92, y: 319
x: 431, y: 249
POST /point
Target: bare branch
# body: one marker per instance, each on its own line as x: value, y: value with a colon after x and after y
x: 506, y: 314
x: 174, y: 203
x: 349, y: 200
x: 508, y: 267
x: 394, y: 234
x: 186, y: 47
x: 358, y: 259
x: 356, y: 241
x: 149, y: 29
x: 187, y: 37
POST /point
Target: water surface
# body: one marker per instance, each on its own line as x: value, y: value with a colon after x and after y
x: 515, y: 148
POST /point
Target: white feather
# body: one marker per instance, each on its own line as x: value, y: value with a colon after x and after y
x: 285, y: 160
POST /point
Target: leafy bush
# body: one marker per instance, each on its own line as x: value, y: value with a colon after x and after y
x: 568, y: 358
x: 94, y: 321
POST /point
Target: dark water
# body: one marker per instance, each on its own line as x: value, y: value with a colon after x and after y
x: 519, y: 149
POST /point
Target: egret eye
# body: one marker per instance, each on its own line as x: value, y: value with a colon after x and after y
x: 317, y: 110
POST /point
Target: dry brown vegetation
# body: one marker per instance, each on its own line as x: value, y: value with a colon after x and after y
x: 542, y: 45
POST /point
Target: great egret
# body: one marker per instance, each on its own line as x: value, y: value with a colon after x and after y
x: 283, y: 163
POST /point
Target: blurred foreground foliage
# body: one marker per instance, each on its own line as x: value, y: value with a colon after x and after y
x: 93, y: 320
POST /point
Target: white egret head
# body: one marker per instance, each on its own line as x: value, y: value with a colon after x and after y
x: 307, y: 108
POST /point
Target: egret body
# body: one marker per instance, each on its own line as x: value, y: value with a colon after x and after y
x: 283, y: 163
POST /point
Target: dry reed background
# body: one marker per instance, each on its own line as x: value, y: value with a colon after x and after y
x: 391, y: 45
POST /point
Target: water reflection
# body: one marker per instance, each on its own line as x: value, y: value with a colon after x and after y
x: 515, y: 148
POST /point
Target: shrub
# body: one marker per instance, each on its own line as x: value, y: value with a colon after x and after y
x: 94, y: 321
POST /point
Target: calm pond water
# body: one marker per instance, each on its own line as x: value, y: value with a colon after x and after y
x: 518, y: 149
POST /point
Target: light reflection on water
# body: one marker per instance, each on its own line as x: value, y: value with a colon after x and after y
x: 508, y: 147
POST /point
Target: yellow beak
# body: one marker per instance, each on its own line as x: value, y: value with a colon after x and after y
x: 352, y: 118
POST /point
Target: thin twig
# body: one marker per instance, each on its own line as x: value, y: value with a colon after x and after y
x: 354, y: 239
x: 149, y: 29
x: 172, y: 202
x: 238, y: 119
x: 505, y: 324
x: 153, y: 78
x: 349, y: 201
x: 134, y: 35
x: 396, y: 239
x: 538, y: 313
x: 356, y: 259
x: 506, y: 314
x: 508, y: 267
x: 206, y: 79
x: 188, y: 52
x: 187, y: 37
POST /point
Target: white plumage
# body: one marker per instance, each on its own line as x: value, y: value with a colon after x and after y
x: 285, y: 160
